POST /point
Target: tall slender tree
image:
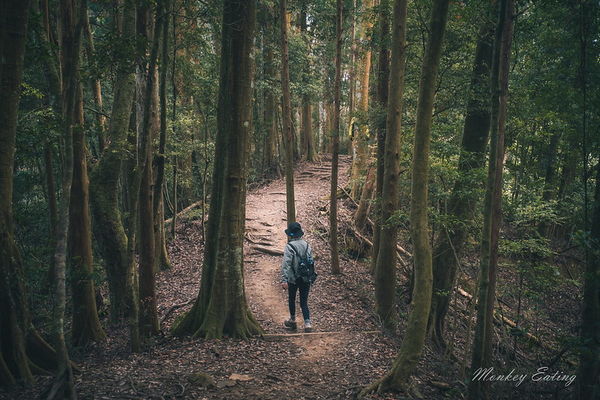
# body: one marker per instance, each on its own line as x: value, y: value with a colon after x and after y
x: 86, y: 324
x: 286, y: 110
x: 462, y: 203
x: 588, y: 386
x: 308, y: 148
x: 383, y: 75
x: 109, y: 228
x: 360, y: 142
x: 385, y: 270
x: 162, y: 256
x: 221, y: 308
x: 335, y: 140
x: 482, y: 343
x: 71, y: 26
x: 148, y: 317
x: 412, y: 344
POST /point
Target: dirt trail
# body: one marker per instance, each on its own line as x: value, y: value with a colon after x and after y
x: 265, y: 225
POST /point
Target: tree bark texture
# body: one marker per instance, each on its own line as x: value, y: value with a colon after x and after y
x: 414, y: 339
x: 286, y: 109
x: 335, y: 140
x: 148, y: 317
x: 383, y: 76
x: 270, y: 162
x: 308, y: 148
x: 161, y: 256
x: 221, y: 308
x: 109, y: 229
x: 588, y: 386
x: 360, y: 142
x: 86, y: 324
x: 463, y: 200
x: 71, y: 19
x: 96, y: 86
x: 385, y: 270
x: 482, y: 342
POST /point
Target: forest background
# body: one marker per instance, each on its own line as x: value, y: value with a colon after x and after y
x: 471, y: 129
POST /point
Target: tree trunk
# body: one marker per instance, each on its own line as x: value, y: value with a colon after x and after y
x: 86, y: 326
x: 335, y: 140
x: 588, y: 386
x: 148, y: 318
x: 221, y: 308
x: 109, y: 228
x: 96, y: 86
x: 383, y: 75
x: 482, y: 342
x: 412, y: 344
x: 288, y: 139
x: 270, y: 144
x: 71, y: 30
x: 385, y: 271
x: 307, y: 131
x: 51, y: 187
x: 352, y: 71
x: 463, y: 200
x: 360, y: 142
x: 548, y: 194
x: 14, y: 324
x: 362, y: 212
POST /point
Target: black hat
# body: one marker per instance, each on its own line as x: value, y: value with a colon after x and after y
x: 294, y: 230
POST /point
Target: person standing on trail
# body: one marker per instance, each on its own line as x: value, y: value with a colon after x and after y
x: 296, y: 255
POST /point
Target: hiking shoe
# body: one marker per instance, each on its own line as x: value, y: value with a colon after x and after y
x: 307, y: 326
x: 289, y: 324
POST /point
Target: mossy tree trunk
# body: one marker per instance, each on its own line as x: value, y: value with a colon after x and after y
x: 360, y: 142
x: 383, y: 76
x: 308, y: 148
x: 109, y: 229
x: 412, y: 344
x: 270, y: 161
x: 335, y: 141
x: 86, y: 326
x: 463, y: 200
x: 72, y: 21
x: 364, y: 205
x: 96, y: 86
x: 221, y: 308
x: 161, y: 255
x: 482, y: 341
x: 286, y: 110
x: 148, y: 316
x: 385, y: 270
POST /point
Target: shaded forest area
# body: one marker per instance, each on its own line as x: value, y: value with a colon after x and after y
x: 443, y: 158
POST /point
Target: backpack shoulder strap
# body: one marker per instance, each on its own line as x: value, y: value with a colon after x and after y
x: 293, y: 247
x: 296, y: 250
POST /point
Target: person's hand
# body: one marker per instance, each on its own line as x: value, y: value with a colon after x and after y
x: 284, y: 285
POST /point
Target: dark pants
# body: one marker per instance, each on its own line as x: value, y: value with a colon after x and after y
x: 304, y: 289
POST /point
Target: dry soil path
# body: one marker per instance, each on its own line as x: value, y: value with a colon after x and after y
x: 265, y: 225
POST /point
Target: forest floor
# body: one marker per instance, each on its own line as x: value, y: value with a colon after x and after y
x: 345, y: 352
